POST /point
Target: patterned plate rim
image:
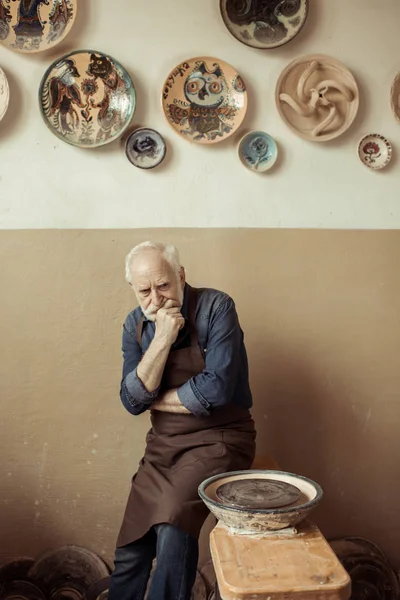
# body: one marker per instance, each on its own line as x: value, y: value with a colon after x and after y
x: 222, y: 2
x: 387, y: 144
x: 44, y: 78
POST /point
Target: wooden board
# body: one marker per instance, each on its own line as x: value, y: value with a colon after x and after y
x: 278, y: 567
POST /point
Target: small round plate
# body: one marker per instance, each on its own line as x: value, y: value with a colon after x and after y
x: 4, y: 93
x: 317, y: 97
x: 264, y: 23
x: 87, y: 99
x: 258, y: 151
x: 145, y: 148
x: 258, y: 493
x: 35, y: 25
x: 205, y: 100
x: 395, y: 97
x: 375, y: 151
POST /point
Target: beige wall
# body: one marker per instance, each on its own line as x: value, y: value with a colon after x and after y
x: 320, y: 311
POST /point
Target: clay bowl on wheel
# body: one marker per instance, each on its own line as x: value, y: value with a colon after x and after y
x: 247, y: 520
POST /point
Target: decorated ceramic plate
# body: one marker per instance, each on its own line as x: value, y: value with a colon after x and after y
x: 87, y: 99
x: 205, y: 100
x: 35, y: 25
x: 4, y: 94
x: 145, y: 148
x: 264, y: 23
x: 317, y: 97
x: 375, y: 151
x: 395, y: 97
x: 258, y: 151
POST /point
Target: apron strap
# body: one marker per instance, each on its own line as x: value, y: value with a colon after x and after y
x: 139, y: 331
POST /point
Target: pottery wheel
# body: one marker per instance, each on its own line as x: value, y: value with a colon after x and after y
x: 258, y: 493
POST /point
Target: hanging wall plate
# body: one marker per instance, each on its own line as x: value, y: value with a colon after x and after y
x: 205, y: 100
x: 395, y: 97
x: 264, y: 23
x: 375, y: 151
x: 258, y: 151
x: 317, y: 97
x: 145, y: 148
x: 35, y: 25
x: 4, y: 94
x: 87, y: 99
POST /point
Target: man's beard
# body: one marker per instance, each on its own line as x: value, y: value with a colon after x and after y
x: 151, y: 311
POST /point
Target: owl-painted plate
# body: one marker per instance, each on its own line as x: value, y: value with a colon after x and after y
x: 205, y: 100
x: 87, y: 99
x: 258, y: 151
x: 35, y: 25
x: 4, y: 94
x: 264, y: 23
x: 375, y: 151
x: 145, y: 148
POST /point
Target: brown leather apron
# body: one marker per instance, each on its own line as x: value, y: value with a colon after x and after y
x: 182, y: 450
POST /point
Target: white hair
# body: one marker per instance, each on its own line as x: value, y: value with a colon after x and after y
x: 168, y: 252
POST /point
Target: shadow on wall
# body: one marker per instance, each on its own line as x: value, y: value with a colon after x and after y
x: 306, y: 420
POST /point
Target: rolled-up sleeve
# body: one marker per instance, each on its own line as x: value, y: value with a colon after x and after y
x: 214, y: 386
x: 134, y: 396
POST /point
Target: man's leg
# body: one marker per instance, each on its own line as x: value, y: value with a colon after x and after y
x: 177, y: 557
x: 132, y: 568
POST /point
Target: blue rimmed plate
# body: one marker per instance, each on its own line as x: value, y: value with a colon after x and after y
x: 258, y: 151
x: 145, y: 148
x: 87, y: 98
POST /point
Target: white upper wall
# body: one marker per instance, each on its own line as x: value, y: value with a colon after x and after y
x: 45, y: 183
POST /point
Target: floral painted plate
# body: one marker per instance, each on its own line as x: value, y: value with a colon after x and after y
x: 264, y: 23
x: 4, y: 94
x: 317, y: 97
x: 395, y: 97
x: 375, y: 151
x: 35, y: 25
x: 87, y: 99
x: 145, y: 148
x: 205, y: 100
x: 258, y: 151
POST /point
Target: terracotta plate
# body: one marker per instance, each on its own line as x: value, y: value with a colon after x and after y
x: 145, y: 148
x: 35, y: 25
x: 375, y: 151
x: 205, y: 100
x: 87, y: 99
x: 4, y: 94
x: 395, y: 97
x: 258, y: 493
x: 264, y: 23
x: 258, y: 151
x: 317, y: 97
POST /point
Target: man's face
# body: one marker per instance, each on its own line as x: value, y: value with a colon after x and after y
x: 154, y: 282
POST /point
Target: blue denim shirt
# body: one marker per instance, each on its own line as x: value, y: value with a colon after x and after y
x: 225, y: 378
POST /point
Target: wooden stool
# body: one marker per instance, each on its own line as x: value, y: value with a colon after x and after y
x: 278, y: 566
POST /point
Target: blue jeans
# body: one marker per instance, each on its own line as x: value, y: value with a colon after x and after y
x: 175, y: 572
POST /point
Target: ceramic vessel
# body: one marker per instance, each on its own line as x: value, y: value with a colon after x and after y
x: 257, y: 521
x: 264, y: 23
x: 258, y: 151
x: 395, y: 97
x: 35, y: 25
x: 4, y: 94
x: 317, y: 97
x: 204, y: 99
x: 87, y: 99
x: 145, y: 148
x: 375, y: 151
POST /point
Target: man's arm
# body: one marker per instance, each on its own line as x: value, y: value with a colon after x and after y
x: 142, y: 376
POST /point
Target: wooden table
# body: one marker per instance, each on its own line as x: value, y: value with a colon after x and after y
x: 279, y: 566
